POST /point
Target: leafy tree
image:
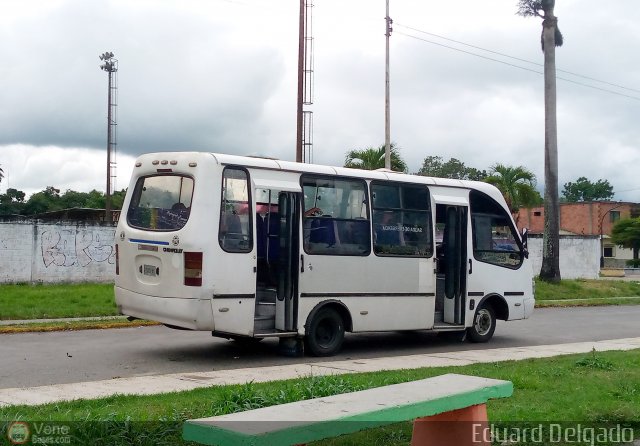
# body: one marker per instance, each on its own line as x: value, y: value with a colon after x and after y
x: 73, y: 199
x: 117, y: 198
x: 97, y: 200
x: 585, y: 190
x: 517, y: 185
x: 12, y: 196
x: 372, y: 158
x: 551, y: 37
x: 12, y: 202
x: 626, y: 233
x: 44, y: 201
x: 434, y: 166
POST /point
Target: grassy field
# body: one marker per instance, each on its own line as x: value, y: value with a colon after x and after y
x: 592, y: 389
x: 588, y: 290
x: 55, y: 301
x: 87, y: 299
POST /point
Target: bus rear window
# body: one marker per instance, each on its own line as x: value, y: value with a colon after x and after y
x: 161, y: 203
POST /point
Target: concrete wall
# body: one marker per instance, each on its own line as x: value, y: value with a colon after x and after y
x: 56, y: 252
x: 84, y: 252
x: 579, y: 256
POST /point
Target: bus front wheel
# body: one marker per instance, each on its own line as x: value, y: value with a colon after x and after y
x: 325, y: 333
x: 484, y: 324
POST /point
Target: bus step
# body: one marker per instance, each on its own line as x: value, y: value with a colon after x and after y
x: 443, y: 326
x: 266, y: 309
x: 264, y: 323
x: 266, y: 295
x: 276, y: 334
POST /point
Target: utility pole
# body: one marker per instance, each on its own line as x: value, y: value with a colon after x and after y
x: 301, y: 59
x: 387, y: 106
x: 304, y: 134
x: 110, y: 65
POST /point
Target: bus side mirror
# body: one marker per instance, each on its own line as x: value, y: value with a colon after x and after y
x: 525, y: 242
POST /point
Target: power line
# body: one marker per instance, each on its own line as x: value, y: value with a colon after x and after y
x: 516, y: 66
x: 627, y: 190
x: 515, y: 58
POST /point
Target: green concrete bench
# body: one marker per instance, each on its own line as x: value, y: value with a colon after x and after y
x: 429, y: 402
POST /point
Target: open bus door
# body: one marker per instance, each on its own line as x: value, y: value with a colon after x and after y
x: 452, y: 216
x: 277, y: 235
x: 287, y: 293
x: 455, y: 261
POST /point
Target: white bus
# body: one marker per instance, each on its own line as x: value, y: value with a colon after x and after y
x: 255, y: 248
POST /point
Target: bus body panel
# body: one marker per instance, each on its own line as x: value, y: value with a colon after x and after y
x: 162, y: 295
x: 193, y: 314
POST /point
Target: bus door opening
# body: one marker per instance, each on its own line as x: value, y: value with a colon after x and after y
x: 452, y: 262
x: 287, y: 291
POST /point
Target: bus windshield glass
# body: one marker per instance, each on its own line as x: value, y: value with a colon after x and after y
x: 161, y: 203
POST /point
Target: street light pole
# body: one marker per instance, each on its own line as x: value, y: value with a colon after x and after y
x: 110, y: 65
x: 601, y: 234
x: 387, y: 106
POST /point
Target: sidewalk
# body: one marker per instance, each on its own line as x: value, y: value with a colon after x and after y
x: 148, y: 385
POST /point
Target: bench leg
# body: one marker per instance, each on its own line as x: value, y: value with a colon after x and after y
x: 462, y: 427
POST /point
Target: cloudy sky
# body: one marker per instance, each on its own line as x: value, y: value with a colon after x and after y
x: 220, y: 75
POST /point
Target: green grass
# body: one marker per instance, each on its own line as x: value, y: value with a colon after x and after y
x: 588, y: 389
x: 56, y: 301
x: 587, y: 289
x: 90, y: 299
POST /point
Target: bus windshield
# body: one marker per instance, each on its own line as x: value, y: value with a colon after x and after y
x: 161, y: 203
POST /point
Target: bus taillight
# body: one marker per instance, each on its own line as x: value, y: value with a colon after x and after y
x: 117, y: 261
x: 193, y: 268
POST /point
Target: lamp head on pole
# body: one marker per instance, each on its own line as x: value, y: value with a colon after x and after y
x: 110, y: 64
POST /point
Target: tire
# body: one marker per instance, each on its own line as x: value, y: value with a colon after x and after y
x: 325, y: 333
x: 484, y: 324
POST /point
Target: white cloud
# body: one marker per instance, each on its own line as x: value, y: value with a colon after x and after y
x: 219, y: 75
x: 32, y: 168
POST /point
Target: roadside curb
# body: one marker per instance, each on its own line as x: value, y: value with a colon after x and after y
x: 587, y: 299
x: 156, y: 384
x: 64, y: 319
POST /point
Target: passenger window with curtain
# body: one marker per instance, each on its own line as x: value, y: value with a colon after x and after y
x: 235, y: 233
x: 401, y: 220
x: 495, y: 239
x: 336, y: 217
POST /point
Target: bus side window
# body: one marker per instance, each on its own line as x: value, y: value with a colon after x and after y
x: 335, y: 218
x: 235, y: 234
x: 401, y: 220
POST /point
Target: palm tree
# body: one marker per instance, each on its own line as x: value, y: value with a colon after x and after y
x: 551, y: 37
x: 372, y: 158
x: 517, y: 185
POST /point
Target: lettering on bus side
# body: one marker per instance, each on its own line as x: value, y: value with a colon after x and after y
x: 174, y: 250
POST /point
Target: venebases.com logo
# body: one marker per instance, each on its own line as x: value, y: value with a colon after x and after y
x: 48, y: 432
x: 18, y: 432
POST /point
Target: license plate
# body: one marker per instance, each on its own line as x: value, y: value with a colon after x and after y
x: 149, y: 270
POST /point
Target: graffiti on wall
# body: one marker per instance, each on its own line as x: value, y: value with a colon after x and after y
x: 76, y: 247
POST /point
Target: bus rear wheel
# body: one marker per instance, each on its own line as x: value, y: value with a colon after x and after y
x: 484, y: 324
x: 325, y: 333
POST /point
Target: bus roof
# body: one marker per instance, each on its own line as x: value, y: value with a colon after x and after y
x: 382, y: 174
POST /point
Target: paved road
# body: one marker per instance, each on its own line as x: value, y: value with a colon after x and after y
x: 34, y: 359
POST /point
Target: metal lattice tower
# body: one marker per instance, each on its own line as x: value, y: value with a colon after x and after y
x: 110, y: 65
x: 304, y: 143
